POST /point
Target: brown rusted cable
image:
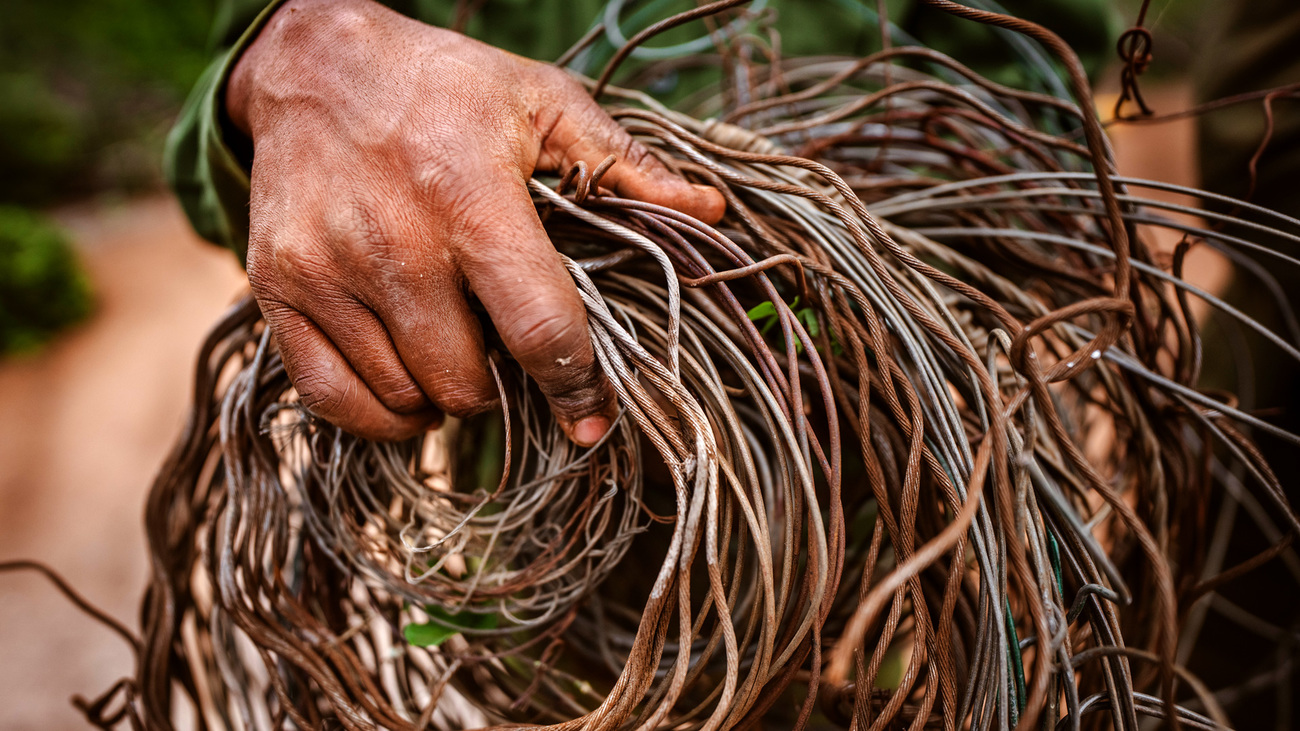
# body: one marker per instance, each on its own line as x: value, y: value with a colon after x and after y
x: 856, y: 419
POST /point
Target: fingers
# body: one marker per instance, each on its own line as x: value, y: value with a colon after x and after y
x: 420, y: 347
x: 329, y: 386
x: 365, y: 344
x: 583, y: 132
x: 440, y: 341
x: 399, y: 267
x: 517, y: 274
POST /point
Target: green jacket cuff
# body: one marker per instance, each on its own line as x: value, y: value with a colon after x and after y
x: 210, y: 180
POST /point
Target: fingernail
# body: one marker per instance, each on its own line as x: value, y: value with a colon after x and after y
x: 589, y: 431
x: 711, y: 205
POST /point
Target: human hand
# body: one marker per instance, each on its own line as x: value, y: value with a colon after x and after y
x: 389, y: 182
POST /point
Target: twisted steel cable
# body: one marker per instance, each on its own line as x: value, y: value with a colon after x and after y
x: 911, y: 439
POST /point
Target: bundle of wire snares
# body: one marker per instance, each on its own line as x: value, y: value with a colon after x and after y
x: 910, y: 439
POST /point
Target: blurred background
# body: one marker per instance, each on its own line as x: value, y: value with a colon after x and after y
x: 105, y: 294
x: 104, y: 297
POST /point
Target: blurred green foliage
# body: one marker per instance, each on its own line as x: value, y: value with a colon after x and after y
x: 89, y: 88
x: 42, y: 288
x: 1090, y: 27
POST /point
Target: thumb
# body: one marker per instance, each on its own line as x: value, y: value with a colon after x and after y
x: 585, y: 133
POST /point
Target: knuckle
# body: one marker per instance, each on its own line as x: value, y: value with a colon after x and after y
x: 432, y: 159
x: 266, y: 263
x: 431, y: 171
x: 288, y: 263
x: 581, y: 393
x: 445, y: 173
x: 261, y: 277
x: 481, y: 211
x: 460, y: 199
x: 557, y: 80
x: 284, y: 266
x: 445, y: 165
x: 638, y: 156
x: 365, y: 230
x: 547, y: 333
x: 305, y: 274
x: 400, y: 394
x: 319, y: 393
x: 359, y: 235
x: 462, y: 400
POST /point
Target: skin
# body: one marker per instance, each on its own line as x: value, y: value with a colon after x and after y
x: 389, y: 178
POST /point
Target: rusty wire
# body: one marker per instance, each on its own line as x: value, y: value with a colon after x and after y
x: 911, y: 439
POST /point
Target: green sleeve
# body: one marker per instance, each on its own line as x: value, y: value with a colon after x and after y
x: 209, y: 179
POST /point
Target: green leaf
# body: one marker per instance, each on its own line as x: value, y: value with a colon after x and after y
x: 764, y: 313
x: 467, y: 619
x: 809, y: 319
x: 427, y: 635
x: 446, y: 624
x: 43, y: 287
x: 761, y: 310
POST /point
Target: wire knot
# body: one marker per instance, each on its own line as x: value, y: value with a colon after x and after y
x: 1134, y: 48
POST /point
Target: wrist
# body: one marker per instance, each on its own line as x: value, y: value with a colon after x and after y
x: 297, y: 37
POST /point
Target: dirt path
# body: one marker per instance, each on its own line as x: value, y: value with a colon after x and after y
x: 83, y: 427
